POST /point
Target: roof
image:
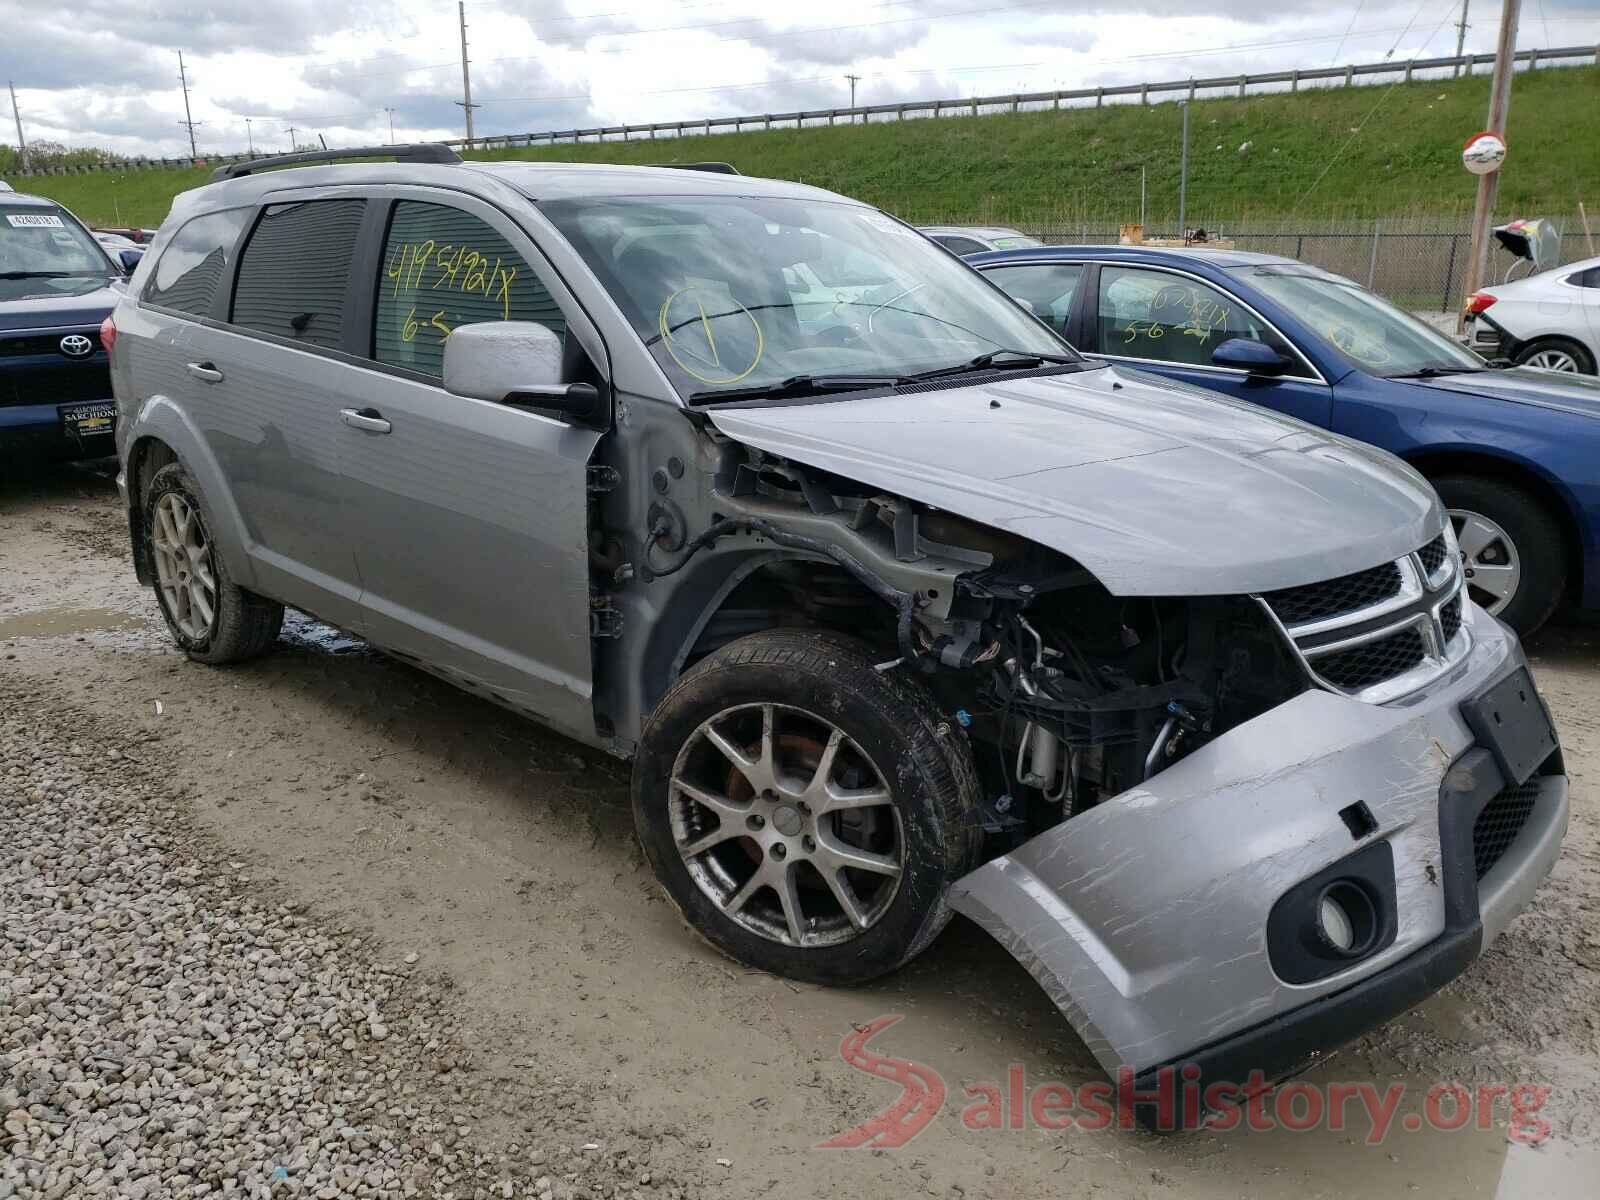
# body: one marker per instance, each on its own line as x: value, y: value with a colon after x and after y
x: 27, y: 201
x: 986, y: 231
x: 1171, y: 255
x: 533, y: 180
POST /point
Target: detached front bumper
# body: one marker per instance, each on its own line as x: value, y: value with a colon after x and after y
x: 1147, y: 918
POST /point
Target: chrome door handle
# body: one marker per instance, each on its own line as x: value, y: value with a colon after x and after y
x: 364, y: 418
x: 206, y: 371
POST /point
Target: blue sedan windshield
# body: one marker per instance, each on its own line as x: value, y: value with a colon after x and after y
x: 1368, y: 330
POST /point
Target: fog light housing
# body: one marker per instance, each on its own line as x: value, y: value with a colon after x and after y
x: 1346, y: 919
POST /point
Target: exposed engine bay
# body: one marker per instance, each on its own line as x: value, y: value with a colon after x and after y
x: 1070, y: 695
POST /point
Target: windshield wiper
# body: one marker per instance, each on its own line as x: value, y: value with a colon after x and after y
x: 37, y: 274
x: 1437, y: 372
x: 1013, y: 358
x: 798, y: 385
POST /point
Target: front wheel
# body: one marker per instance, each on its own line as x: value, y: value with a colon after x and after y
x: 805, y: 812
x: 1511, y: 549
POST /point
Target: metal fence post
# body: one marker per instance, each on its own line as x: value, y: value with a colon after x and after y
x: 1449, y: 274
x: 1242, y: 80
x: 1372, y: 265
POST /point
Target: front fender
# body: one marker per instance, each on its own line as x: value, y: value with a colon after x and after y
x: 159, y: 418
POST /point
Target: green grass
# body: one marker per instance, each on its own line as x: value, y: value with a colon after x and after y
x: 1083, y: 163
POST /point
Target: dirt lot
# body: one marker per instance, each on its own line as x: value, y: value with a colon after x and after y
x: 409, y: 819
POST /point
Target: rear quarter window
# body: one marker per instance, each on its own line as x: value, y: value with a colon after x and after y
x: 192, y: 265
x: 295, y: 268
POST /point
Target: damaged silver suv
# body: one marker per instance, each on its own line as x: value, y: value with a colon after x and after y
x: 899, y: 606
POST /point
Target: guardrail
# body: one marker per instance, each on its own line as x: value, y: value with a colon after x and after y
x: 967, y: 106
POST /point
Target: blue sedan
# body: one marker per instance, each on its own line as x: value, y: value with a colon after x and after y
x: 1513, y: 452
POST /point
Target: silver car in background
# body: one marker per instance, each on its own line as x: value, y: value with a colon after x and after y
x: 899, y: 606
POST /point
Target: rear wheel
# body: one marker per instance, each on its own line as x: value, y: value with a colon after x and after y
x: 210, y: 617
x: 1557, y: 354
x: 806, y: 812
x: 1511, y: 549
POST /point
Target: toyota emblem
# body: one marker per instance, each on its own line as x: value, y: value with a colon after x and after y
x: 75, y: 345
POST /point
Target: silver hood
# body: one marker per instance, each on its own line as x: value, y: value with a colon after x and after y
x: 1157, y: 488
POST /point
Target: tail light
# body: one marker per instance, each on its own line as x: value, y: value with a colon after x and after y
x: 108, y: 334
x: 1479, y: 301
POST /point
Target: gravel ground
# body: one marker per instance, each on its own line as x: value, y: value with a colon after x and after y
x: 320, y: 925
x: 168, y: 1028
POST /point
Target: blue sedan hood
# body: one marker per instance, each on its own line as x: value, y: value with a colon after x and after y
x: 46, y: 306
x: 1157, y: 488
x: 1526, y: 385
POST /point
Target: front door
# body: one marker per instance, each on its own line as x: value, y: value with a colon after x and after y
x: 1171, y: 323
x: 468, y: 518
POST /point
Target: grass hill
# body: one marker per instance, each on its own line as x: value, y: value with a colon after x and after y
x: 1085, y: 163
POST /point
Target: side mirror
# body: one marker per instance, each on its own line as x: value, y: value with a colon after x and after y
x: 129, y: 258
x: 1244, y: 355
x: 517, y: 363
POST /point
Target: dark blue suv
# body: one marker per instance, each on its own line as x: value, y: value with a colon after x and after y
x: 1514, y: 453
x: 57, y: 284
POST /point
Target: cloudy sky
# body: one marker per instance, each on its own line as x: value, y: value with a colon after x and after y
x: 105, y: 72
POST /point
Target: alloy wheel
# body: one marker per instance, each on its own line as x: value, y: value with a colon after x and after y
x: 185, y: 569
x: 786, y: 825
x: 1553, y: 360
x: 1489, y: 560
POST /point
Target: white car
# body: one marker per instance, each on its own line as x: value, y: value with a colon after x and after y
x: 1549, y: 320
x: 975, y: 239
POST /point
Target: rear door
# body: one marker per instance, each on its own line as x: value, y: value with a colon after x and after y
x: 468, y: 518
x: 267, y: 384
x: 1049, y: 289
x: 1169, y: 322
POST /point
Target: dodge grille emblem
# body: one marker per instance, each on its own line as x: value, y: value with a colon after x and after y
x: 75, y: 345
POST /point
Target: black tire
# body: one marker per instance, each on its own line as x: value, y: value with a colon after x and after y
x: 921, y: 758
x: 243, y: 624
x: 1535, y: 533
x: 1581, y: 355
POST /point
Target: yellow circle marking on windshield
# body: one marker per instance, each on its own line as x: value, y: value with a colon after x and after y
x: 699, y: 320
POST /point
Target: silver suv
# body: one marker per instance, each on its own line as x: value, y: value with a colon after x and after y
x: 898, y: 605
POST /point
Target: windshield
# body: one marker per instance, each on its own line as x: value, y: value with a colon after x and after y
x: 1017, y: 242
x: 740, y: 292
x: 1368, y: 330
x: 44, y: 252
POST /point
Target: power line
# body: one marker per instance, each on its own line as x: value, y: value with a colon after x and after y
x: 1354, y: 17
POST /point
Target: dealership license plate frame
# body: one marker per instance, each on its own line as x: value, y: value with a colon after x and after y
x: 1510, y: 719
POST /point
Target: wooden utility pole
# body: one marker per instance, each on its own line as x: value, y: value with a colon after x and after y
x: 1489, y: 185
x: 188, y: 118
x: 466, y: 76
x: 22, y: 146
x: 854, y: 79
x: 1461, y: 38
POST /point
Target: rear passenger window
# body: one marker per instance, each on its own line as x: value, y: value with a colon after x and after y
x: 191, y: 266
x: 443, y: 268
x: 293, y: 272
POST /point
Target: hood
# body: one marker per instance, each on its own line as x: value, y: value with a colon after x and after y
x: 1157, y: 488
x: 52, y: 307
x: 1526, y: 385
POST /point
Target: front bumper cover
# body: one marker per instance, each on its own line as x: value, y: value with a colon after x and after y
x: 1145, y: 918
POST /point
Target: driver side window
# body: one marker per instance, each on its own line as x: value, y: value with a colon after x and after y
x: 1170, y: 318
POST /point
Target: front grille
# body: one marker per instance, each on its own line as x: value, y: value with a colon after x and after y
x: 55, y: 385
x: 1432, y: 556
x: 1450, y: 619
x: 1499, y: 823
x: 1348, y: 593
x: 1371, y: 662
x: 36, y: 344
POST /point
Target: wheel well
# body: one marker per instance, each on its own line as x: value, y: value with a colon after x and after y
x: 1535, y: 485
x: 146, y: 456
x: 798, y: 593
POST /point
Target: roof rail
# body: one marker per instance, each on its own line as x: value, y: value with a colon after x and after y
x: 715, y: 168
x: 418, y: 152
